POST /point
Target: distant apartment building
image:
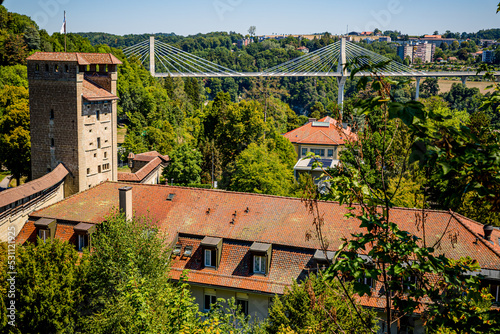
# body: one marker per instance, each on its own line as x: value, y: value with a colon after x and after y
x: 404, y: 51
x: 488, y: 56
x: 422, y: 51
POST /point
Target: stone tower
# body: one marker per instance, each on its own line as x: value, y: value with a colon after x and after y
x: 73, y: 115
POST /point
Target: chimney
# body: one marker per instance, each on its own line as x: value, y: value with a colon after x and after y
x: 126, y: 201
x: 487, y: 229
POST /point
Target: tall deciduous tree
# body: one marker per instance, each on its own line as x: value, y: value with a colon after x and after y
x: 258, y: 170
x: 184, y: 166
x: 15, y: 140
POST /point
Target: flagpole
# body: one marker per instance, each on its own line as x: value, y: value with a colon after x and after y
x: 64, y: 31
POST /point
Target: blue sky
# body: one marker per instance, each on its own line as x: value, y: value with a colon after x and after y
x: 272, y: 16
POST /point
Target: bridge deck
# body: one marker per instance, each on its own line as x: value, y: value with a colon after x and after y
x: 323, y: 74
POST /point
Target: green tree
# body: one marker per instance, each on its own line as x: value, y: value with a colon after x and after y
x: 128, y: 290
x: 49, y: 280
x: 184, y: 167
x: 15, y: 140
x: 308, y: 308
x: 259, y: 171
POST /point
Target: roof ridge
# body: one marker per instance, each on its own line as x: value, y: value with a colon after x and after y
x: 485, y: 242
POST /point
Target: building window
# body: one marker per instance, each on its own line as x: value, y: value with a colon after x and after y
x: 46, y: 67
x: 259, y: 264
x: 51, y: 113
x: 366, y: 280
x: 56, y: 68
x: 317, y: 151
x: 83, y: 241
x: 95, y: 155
x: 52, y: 143
x: 209, y: 300
x: 98, y: 142
x: 243, y: 305
x: 99, y: 169
x: 44, y: 234
x: 330, y: 153
x: 49, y: 170
x: 105, y: 166
x: 97, y: 115
x: 66, y: 68
x: 304, y: 152
x: 88, y: 171
x: 210, y: 258
x: 493, y: 288
x: 37, y: 67
x: 105, y: 155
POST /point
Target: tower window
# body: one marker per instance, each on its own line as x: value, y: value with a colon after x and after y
x: 97, y: 116
x: 88, y: 171
x: 105, y: 155
x: 51, y: 113
x: 46, y: 67
x: 52, y: 144
x: 98, y: 142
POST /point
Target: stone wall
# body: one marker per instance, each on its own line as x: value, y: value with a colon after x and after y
x: 18, y: 216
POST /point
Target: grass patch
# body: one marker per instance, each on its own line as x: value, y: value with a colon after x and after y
x: 121, y: 132
x: 124, y: 169
x: 3, y: 175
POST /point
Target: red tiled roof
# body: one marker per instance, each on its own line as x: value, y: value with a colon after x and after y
x: 148, y: 156
x: 333, y: 134
x: 78, y: 57
x: 92, y: 92
x: 264, y: 218
x: 25, y: 190
x: 142, y: 173
x: 235, y: 269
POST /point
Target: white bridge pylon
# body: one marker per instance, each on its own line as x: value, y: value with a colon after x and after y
x: 334, y: 60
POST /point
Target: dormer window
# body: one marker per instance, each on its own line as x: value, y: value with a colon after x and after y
x: 212, y: 249
x: 322, y: 258
x: 261, y: 257
x: 83, y: 231
x: 46, y: 228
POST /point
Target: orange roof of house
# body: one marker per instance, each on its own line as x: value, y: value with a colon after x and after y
x: 78, y: 57
x: 30, y: 188
x: 93, y: 92
x: 142, y: 173
x: 310, y: 133
x: 433, y: 36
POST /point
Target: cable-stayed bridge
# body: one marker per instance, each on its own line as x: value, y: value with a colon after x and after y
x: 335, y: 60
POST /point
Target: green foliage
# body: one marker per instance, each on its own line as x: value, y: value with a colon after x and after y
x: 49, y: 282
x: 316, y: 306
x: 184, y: 166
x: 15, y: 137
x: 260, y: 171
x: 127, y: 289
